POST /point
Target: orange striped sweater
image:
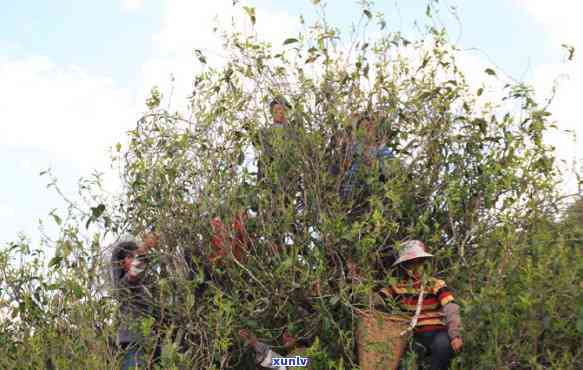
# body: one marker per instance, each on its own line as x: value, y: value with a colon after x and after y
x: 436, y: 296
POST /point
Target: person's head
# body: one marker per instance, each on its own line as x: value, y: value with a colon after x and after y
x: 123, y: 256
x: 289, y: 340
x: 412, y: 257
x: 414, y: 267
x: 278, y: 110
x: 366, y: 127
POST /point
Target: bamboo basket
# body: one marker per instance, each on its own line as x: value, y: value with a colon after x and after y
x: 380, y: 344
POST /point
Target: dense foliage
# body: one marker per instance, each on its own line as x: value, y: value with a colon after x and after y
x: 472, y: 177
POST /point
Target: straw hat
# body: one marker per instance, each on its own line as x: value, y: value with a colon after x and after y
x: 411, y: 250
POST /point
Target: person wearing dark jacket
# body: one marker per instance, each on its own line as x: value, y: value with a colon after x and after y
x: 136, y: 294
x: 273, y: 143
x: 366, y: 153
x: 360, y: 152
x: 278, y: 166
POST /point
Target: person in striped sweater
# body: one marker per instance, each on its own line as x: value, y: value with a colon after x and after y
x: 437, y: 325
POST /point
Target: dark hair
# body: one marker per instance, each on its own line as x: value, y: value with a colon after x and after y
x: 364, y: 117
x: 120, y: 251
x: 279, y: 101
x: 123, y: 249
x: 407, y: 264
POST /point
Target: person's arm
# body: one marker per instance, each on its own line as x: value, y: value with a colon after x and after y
x: 354, y: 272
x: 264, y: 153
x: 453, y: 320
x: 381, y: 296
x: 265, y: 142
x: 384, y: 154
x: 263, y: 353
x: 451, y: 312
x: 267, y: 354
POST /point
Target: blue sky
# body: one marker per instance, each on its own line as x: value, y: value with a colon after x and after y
x: 106, y: 40
x: 74, y: 74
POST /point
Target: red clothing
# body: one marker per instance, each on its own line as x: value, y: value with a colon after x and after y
x: 436, y: 296
x: 238, y: 243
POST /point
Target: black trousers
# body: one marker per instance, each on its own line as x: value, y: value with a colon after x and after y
x: 436, y: 345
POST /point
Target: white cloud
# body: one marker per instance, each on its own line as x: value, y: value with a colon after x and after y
x: 6, y: 212
x: 74, y: 116
x: 131, y: 5
x: 187, y: 26
x: 70, y: 116
x: 560, y: 20
x: 62, y: 110
x: 25, y: 165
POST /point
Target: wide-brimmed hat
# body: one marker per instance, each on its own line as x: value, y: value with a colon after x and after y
x: 411, y: 250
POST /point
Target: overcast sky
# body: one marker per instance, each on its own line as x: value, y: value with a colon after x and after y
x: 74, y: 74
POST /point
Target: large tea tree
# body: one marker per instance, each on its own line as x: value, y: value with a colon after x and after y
x: 471, y: 176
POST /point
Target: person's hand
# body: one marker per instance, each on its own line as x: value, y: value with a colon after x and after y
x: 244, y: 334
x: 354, y: 271
x: 247, y: 337
x: 151, y: 240
x: 456, y: 344
x: 289, y: 341
x: 316, y: 288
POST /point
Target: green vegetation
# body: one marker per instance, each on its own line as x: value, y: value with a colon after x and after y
x: 473, y: 179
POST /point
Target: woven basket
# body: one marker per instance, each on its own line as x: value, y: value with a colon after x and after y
x: 380, y: 345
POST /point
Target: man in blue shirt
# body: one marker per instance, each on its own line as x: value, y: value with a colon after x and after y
x: 368, y: 154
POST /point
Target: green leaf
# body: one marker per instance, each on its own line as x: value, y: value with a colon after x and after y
x: 57, y: 219
x: 570, y: 49
x: 97, y: 211
x: 315, y: 2
x: 490, y: 71
x: 251, y: 13
x: 55, y: 261
x: 480, y: 91
x: 423, y: 63
x: 251, y: 324
x: 118, y: 147
x: 367, y: 13
x: 312, y: 59
x: 78, y: 291
x: 335, y: 299
x: 155, y: 97
x: 200, y: 56
x: 147, y: 325
x: 290, y: 41
x: 580, y: 325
